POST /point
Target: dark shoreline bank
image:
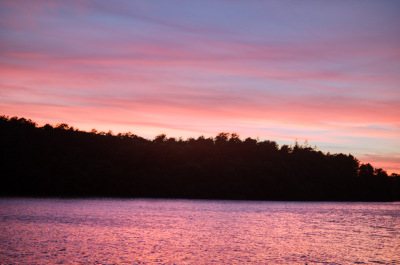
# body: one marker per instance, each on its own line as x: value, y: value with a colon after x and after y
x: 177, y: 199
x: 61, y: 161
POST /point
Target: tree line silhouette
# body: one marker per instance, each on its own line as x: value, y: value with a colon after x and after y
x: 63, y: 161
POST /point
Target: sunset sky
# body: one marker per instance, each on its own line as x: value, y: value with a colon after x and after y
x: 323, y: 71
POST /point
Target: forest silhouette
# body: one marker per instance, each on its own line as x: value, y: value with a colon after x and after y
x: 61, y: 161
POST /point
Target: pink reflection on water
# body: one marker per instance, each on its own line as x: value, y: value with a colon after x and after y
x: 197, y: 232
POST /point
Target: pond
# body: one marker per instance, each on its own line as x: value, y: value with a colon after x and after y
x: 141, y: 231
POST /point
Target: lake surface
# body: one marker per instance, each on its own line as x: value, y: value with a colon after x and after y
x: 117, y: 231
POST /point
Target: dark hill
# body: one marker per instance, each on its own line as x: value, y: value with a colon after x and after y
x: 62, y: 161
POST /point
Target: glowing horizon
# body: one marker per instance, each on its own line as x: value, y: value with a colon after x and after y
x: 324, y: 72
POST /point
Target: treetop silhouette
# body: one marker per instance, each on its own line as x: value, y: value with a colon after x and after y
x: 63, y: 161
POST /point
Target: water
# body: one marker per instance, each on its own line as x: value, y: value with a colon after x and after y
x: 113, y: 231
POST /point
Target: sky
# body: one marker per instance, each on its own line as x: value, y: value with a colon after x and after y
x: 323, y: 71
